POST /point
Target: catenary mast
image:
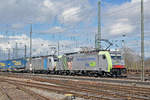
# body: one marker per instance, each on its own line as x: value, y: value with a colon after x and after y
x: 98, y: 36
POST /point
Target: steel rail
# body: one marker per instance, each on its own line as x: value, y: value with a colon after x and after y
x: 88, y: 90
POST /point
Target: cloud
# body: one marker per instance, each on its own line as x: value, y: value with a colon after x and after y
x: 71, y: 15
x: 73, y: 18
x: 27, y: 11
x: 48, y: 4
x: 54, y: 30
x: 138, y: 1
x: 39, y: 46
x: 17, y: 26
x: 21, y: 41
x: 124, y: 19
x: 1, y: 36
x: 121, y: 28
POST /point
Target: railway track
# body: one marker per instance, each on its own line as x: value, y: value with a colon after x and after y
x: 124, y: 80
x: 4, y: 93
x: 13, y: 91
x: 84, y: 89
x: 56, y: 88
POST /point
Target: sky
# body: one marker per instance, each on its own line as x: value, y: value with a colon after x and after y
x: 72, y: 23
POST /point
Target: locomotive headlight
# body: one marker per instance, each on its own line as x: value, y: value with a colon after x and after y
x: 30, y: 67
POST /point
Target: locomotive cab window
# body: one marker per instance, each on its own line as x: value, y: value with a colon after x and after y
x: 56, y: 59
x: 103, y: 56
x: 69, y: 59
x: 116, y: 57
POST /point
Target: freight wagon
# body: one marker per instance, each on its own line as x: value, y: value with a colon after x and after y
x: 13, y: 64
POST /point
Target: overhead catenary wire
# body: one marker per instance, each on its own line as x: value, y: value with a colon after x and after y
x: 102, y: 29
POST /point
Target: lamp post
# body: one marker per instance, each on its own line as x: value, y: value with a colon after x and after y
x: 31, y: 47
x: 142, y: 40
x: 41, y: 50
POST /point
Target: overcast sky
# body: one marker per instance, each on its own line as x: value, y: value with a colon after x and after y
x: 71, y: 22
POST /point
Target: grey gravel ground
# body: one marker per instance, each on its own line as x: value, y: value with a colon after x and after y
x: 15, y: 94
x: 52, y: 95
x: 9, y: 92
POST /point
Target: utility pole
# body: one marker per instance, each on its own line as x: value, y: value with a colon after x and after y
x: 31, y: 47
x: 98, y: 36
x: 142, y: 40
